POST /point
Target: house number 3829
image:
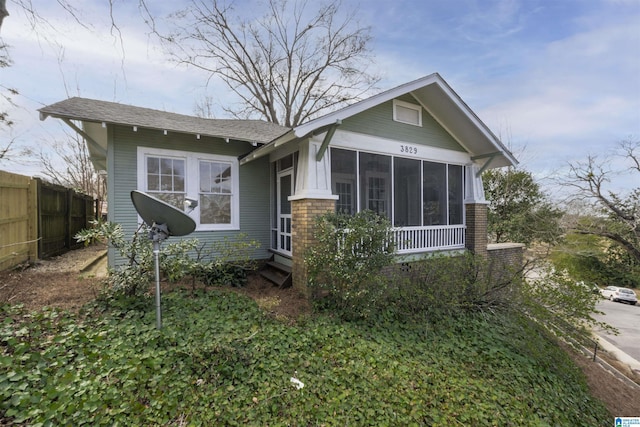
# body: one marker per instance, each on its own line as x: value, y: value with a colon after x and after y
x: 408, y: 149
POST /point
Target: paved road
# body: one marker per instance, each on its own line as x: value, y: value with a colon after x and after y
x: 626, y: 318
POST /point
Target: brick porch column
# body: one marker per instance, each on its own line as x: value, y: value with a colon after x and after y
x: 476, y: 238
x: 303, y: 215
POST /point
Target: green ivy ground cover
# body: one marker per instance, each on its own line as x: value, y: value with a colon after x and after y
x: 220, y: 361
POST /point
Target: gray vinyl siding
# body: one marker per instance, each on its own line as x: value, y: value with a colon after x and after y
x: 378, y: 121
x: 254, y: 184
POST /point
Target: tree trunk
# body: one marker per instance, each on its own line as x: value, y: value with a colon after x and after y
x: 3, y: 11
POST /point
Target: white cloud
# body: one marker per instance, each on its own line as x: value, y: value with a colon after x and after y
x: 561, y: 78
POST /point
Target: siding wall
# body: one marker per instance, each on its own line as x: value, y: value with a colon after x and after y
x: 378, y: 121
x: 254, y: 183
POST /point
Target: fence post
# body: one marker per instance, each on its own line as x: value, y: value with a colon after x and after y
x: 68, y: 219
x: 39, y: 216
x: 33, y: 226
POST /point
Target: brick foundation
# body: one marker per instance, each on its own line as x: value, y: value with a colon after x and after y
x: 303, y: 214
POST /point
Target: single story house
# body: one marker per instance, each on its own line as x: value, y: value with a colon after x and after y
x: 414, y: 153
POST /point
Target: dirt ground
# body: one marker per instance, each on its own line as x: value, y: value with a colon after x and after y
x: 67, y: 282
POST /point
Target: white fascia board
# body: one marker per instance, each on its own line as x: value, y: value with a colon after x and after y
x: 365, y: 104
x: 474, y: 119
x: 269, y: 148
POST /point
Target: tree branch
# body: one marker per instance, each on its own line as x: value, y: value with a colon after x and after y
x: 289, y: 65
x: 627, y: 245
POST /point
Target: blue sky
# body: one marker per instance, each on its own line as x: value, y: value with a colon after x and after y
x: 555, y: 79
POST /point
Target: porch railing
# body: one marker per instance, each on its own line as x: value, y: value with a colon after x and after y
x: 409, y: 240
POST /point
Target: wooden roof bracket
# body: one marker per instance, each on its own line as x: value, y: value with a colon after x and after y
x: 90, y: 141
x: 327, y: 139
x: 490, y: 158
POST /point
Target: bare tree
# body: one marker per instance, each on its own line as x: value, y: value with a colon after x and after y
x: 205, y: 107
x: 6, y: 93
x: 298, y: 60
x: 3, y: 11
x: 619, y: 213
x: 69, y: 164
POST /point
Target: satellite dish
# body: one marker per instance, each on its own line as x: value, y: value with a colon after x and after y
x: 155, y: 211
x: 165, y: 220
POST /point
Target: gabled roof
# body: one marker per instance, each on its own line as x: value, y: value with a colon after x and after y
x: 432, y: 92
x: 439, y: 99
x: 91, y: 110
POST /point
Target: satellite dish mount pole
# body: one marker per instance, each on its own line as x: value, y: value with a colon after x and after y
x: 158, y: 234
x: 165, y: 220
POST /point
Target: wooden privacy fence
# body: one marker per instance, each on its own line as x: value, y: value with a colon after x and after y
x: 18, y: 219
x: 38, y: 219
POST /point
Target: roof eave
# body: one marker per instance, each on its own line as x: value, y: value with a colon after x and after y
x: 269, y: 147
x: 72, y: 109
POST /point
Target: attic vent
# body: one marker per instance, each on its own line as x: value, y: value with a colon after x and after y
x: 405, y: 112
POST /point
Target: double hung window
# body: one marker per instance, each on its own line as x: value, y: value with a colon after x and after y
x: 212, y: 180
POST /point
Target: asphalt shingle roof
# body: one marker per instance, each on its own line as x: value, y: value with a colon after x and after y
x: 92, y: 110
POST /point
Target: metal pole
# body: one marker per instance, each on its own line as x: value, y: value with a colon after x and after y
x: 156, y: 254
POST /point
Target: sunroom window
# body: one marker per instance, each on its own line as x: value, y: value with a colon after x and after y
x: 173, y: 176
x: 375, y: 183
x: 410, y: 192
x: 343, y: 180
x: 406, y: 189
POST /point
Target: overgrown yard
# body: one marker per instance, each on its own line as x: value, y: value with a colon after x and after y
x: 219, y: 360
x: 223, y: 358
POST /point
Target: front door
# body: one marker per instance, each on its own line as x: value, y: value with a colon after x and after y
x: 285, y: 189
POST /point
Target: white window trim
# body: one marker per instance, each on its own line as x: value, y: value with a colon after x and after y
x: 415, y: 107
x: 192, y: 181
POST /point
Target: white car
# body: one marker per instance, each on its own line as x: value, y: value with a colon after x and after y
x: 615, y: 293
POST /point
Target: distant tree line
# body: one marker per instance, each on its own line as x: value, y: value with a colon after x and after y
x: 595, y: 236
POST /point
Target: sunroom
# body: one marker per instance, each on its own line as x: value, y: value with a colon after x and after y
x: 414, y: 154
x: 423, y: 199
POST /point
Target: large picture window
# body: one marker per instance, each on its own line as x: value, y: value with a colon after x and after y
x: 173, y: 176
x: 410, y: 192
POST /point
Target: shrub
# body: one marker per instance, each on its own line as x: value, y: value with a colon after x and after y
x: 352, y: 267
x: 347, y: 260
x: 562, y: 305
x: 131, y: 278
x: 446, y: 285
x: 224, y: 263
x: 217, y: 274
